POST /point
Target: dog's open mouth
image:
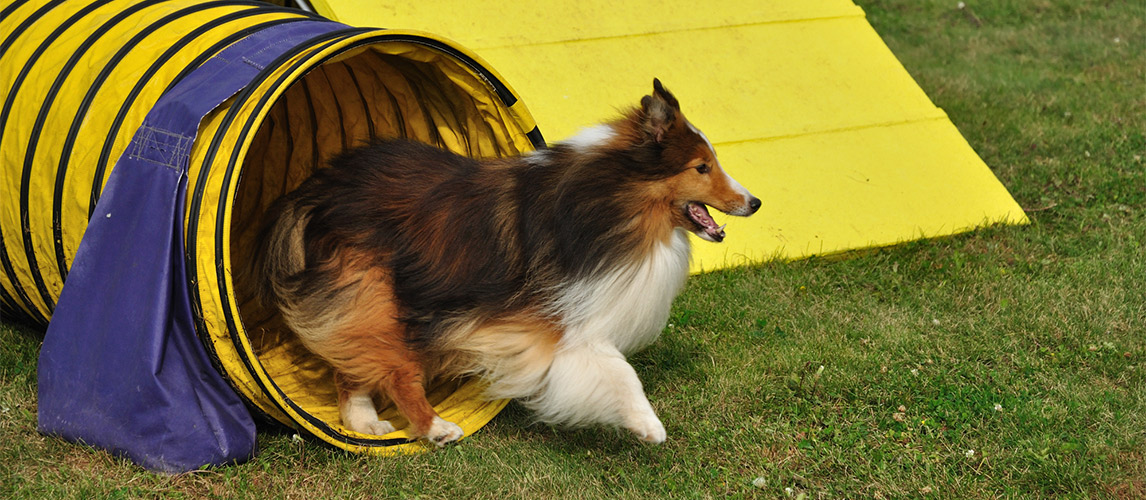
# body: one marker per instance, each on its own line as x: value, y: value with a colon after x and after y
x: 705, y: 227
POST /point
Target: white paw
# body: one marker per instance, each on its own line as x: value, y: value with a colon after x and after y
x: 373, y: 427
x: 380, y: 427
x: 648, y: 428
x: 443, y: 432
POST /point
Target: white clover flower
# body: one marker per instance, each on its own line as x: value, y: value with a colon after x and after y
x: 998, y: 407
x: 969, y: 453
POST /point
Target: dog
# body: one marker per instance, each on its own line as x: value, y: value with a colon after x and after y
x: 402, y: 262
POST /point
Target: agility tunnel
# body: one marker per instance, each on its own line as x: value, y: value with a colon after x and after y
x: 140, y: 142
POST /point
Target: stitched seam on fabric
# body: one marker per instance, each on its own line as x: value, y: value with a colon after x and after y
x: 253, y: 64
x: 161, y: 147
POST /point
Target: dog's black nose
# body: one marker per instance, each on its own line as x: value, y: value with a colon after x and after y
x: 754, y: 204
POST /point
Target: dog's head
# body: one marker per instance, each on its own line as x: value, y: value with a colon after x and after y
x: 696, y: 180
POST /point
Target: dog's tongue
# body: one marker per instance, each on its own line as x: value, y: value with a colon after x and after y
x: 699, y: 213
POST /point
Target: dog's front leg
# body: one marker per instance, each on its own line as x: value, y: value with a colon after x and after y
x: 593, y: 383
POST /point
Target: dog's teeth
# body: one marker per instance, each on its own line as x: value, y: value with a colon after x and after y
x: 721, y: 228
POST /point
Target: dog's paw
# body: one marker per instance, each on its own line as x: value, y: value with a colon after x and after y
x: 648, y: 429
x: 380, y: 428
x: 443, y: 432
x: 375, y: 427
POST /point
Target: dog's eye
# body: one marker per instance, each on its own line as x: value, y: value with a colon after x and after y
x: 703, y: 168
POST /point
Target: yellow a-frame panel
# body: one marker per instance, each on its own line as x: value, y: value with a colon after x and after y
x: 805, y: 105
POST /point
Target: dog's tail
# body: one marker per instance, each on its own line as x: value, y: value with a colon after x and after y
x: 279, y: 254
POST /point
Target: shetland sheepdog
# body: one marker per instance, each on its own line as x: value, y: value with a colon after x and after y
x: 402, y: 262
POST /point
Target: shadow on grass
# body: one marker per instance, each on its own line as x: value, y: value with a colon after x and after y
x: 28, y: 331
x: 517, y: 423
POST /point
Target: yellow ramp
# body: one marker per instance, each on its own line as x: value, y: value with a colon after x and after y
x: 805, y: 104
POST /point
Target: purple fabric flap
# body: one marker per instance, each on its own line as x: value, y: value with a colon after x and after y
x: 122, y: 367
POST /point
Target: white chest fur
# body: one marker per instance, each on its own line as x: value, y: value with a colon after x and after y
x: 626, y: 307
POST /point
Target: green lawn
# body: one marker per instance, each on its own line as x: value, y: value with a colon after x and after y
x: 1010, y: 362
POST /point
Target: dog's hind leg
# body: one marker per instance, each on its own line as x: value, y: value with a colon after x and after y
x: 593, y: 383
x: 356, y: 404
x: 379, y: 362
x: 367, y: 347
x: 405, y: 384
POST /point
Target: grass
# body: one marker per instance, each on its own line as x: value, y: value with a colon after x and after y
x: 1010, y: 362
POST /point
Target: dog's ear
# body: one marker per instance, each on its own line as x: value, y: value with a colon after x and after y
x: 660, y: 110
x: 660, y: 91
